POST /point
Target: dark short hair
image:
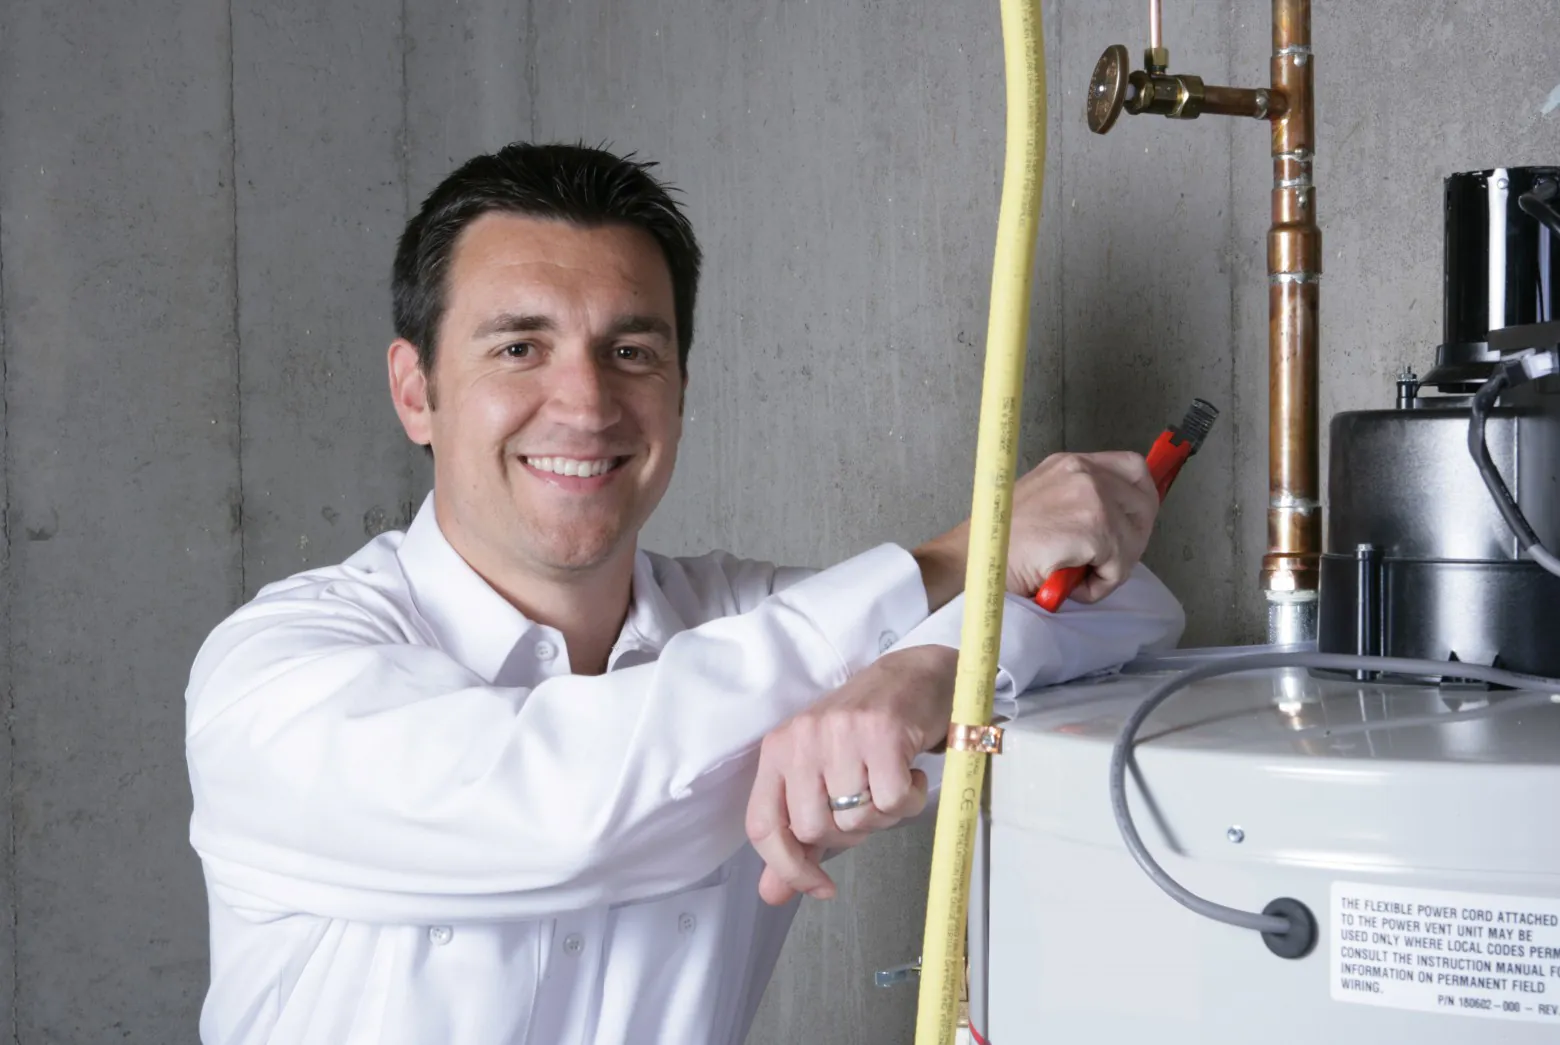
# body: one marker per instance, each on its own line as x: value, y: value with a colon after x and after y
x: 585, y: 186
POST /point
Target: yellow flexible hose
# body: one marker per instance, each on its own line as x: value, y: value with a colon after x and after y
x: 996, y: 460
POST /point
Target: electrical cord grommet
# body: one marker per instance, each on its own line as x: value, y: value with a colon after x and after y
x: 1301, y: 937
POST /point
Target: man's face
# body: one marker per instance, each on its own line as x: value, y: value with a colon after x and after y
x: 556, y: 393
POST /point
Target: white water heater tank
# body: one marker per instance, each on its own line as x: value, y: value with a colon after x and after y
x: 1418, y: 824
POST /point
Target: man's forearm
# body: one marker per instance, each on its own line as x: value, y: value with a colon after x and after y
x: 943, y: 561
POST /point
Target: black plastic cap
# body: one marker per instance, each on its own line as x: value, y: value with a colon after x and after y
x: 1301, y: 937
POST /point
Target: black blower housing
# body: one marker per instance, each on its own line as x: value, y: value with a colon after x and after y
x: 1502, y: 268
x: 1418, y: 562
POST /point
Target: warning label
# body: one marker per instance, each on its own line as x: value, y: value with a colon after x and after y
x: 1474, y: 954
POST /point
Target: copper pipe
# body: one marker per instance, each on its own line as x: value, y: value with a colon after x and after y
x: 1289, y: 569
x: 1261, y: 104
x: 1156, y: 59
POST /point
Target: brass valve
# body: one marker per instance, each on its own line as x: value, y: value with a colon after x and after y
x: 1180, y: 96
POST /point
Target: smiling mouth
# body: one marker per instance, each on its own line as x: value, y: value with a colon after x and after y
x: 584, y: 468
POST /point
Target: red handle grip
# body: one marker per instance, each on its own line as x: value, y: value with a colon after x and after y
x: 1058, y: 586
x: 1165, y: 459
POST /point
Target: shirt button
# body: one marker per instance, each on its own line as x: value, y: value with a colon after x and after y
x: 573, y: 943
x: 546, y: 650
x: 686, y: 923
x: 886, y: 641
x: 440, y: 934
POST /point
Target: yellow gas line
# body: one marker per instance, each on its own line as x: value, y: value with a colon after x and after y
x: 996, y: 460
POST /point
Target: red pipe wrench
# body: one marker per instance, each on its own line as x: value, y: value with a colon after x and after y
x: 1169, y: 452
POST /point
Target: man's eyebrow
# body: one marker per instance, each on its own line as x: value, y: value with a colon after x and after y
x: 521, y: 323
x: 640, y: 325
x: 513, y: 323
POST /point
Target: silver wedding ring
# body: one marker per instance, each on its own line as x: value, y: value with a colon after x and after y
x: 844, y: 802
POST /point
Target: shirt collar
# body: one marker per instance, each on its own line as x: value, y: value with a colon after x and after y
x: 471, y: 622
x: 480, y: 628
x: 652, y: 619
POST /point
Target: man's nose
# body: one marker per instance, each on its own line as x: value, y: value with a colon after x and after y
x: 582, y: 393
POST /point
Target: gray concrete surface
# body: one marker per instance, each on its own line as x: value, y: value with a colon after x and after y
x: 8, y: 906
x: 319, y: 120
x: 115, y: 191
x: 198, y: 202
x: 466, y: 88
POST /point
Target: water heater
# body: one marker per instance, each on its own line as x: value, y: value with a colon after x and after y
x: 1406, y: 815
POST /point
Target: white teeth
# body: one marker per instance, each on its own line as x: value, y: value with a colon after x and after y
x: 572, y: 466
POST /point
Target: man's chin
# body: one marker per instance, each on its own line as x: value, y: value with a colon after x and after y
x: 576, y: 556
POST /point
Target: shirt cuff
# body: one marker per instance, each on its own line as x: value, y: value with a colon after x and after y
x: 1041, y: 648
x: 946, y: 626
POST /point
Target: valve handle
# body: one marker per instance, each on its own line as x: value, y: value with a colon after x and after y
x: 1108, y: 88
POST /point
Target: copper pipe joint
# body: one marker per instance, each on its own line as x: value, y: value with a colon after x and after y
x: 1261, y: 103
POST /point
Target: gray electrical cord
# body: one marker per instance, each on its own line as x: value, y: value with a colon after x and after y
x: 1122, y: 752
x: 1478, y: 411
x: 1511, y: 372
x: 1538, y: 208
x: 1539, y: 554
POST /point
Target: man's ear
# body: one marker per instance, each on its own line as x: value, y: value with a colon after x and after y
x: 410, y: 391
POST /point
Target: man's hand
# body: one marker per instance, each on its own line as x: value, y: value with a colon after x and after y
x: 1094, y: 510
x: 861, y: 737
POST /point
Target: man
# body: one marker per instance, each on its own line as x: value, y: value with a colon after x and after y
x: 487, y: 781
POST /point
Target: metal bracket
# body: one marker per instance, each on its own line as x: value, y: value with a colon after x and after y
x: 897, y: 974
x: 985, y: 739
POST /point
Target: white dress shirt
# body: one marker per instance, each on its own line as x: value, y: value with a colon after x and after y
x: 417, y: 826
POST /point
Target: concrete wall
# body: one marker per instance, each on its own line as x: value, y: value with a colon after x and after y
x: 198, y: 201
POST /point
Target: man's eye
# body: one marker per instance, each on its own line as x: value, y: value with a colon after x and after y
x: 631, y: 353
x: 518, y: 350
